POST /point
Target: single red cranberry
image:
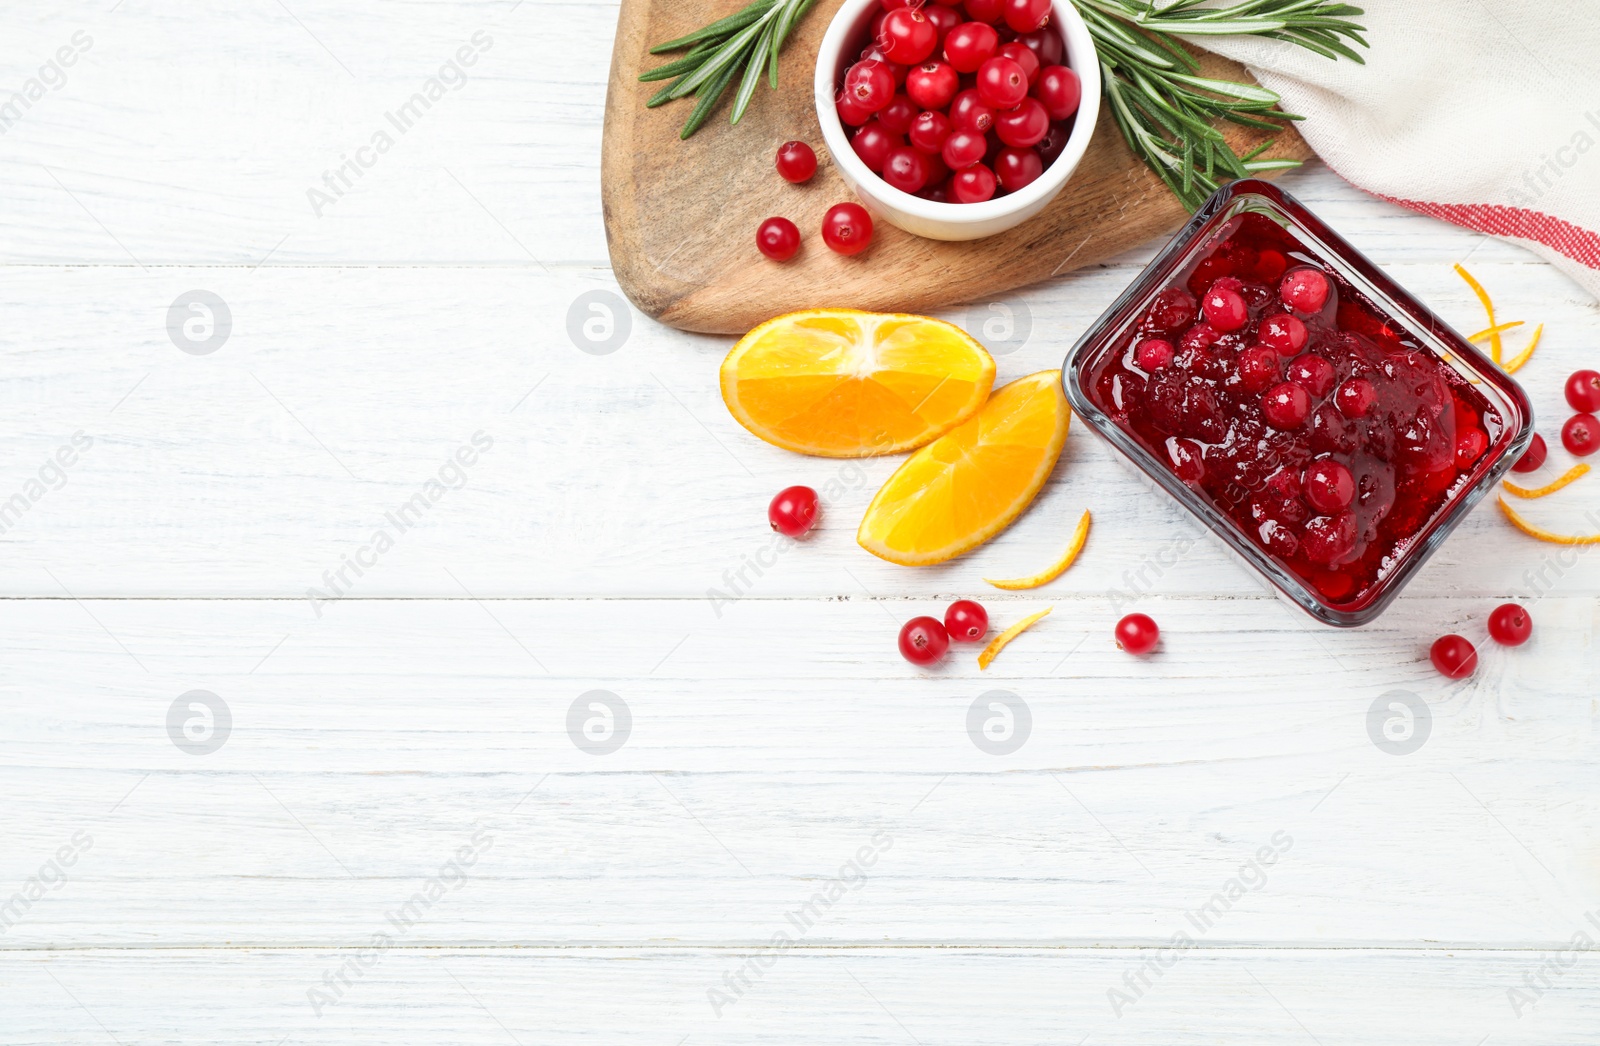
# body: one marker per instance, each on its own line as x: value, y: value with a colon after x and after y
x: 797, y: 162
x: 1172, y: 309
x: 1356, y: 398
x: 1304, y: 290
x: 969, y: 45
x: 1510, y: 625
x: 1453, y: 656
x: 1258, y: 368
x: 1312, y: 373
x: 896, y: 117
x: 906, y: 37
x: 870, y: 84
x: 923, y: 640
x: 1583, y: 391
x: 1020, y: 54
x: 851, y: 114
x: 906, y: 169
x: 973, y: 184
x: 1023, y: 126
x: 1059, y: 88
x: 1017, y: 168
x: 1027, y: 15
x: 1329, y: 486
x: 1581, y: 435
x: 778, y: 239
x: 968, y: 113
x: 985, y: 10
x: 929, y: 131
x: 1224, y: 308
x: 873, y: 143
x: 932, y: 85
x: 793, y: 511
x: 966, y: 621
x: 1137, y: 634
x: 943, y: 17
x: 1153, y: 354
x: 1533, y: 457
x: 847, y: 228
x: 1329, y: 538
x: 1470, y: 445
x: 1046, y: 43
x: 963, y: 149
x: 1001, y: 83
x: 1283, y: 332
x: 1286, y: 406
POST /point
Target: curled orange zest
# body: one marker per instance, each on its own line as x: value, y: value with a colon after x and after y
x: 1545, y: 535
x: 1055, y: 569
x: 1488, y: 307
x: 1522, y: 357
x: 1499, y: 328
x: 998, y: 643
x: 1572, y: 475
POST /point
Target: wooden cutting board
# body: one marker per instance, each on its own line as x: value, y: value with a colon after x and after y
x: 681, y: 216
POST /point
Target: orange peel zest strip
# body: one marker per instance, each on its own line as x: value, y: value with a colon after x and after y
x: 1055, y: 569
x: 1545, y: 535
x: 1572, y: 475
x: 1495, y: 347
x: 1489, y: 332
x: 1522, y: 357
x: 998, y: 643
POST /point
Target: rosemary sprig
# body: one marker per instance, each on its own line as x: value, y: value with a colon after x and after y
x: 748, y: 39
x: 1167, y: 111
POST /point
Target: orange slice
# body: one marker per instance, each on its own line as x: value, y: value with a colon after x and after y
x: 840, y: 383
x: 971, y: 483
x: 1534, y: 531
x: 1055, y: 569
x: 998, y: 643
x: 1572, y: 475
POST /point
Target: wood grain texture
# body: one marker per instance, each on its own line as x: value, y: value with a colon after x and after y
x: 680, y: 215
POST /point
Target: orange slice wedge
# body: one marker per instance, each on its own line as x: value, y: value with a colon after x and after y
x: 971, y: 483
x: 840, y: 383
x: 998, y: 643
x: 1055, y: 569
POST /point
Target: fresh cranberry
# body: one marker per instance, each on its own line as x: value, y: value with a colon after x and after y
x: 985, y: 10
x: 796, y: 161
x: 1137, y: 634
x: 778, y: 239
x: 1312, y: 373
x: 873, y: 143
x: 1356, y: 398
x: 1017, y: 168
x: 1533, y: 457
x: 1304, y: 290
x: 851, y: 114
x: 932, y: 85
x: 906, y: 36
x: 896, y: 117
x: 1045, y: 43
x: 1001, y: 83
x: 966, y: 621
x: 1153, y: 354
x: 870, y: 85
x: 793, y: 511
x: 1027, y: 15
x: 1581, y: 435
x: 923, y: 640
x: 1172, y: 309
x: 1583, y: 391
x: 964, y: 148
x: 1510, y: 625
x: 1022, y: 56
x: 929, y: 130
x: 1258, y: 368
x: 1224, y: 308
x: 1284, y: 332
x: 1023, y: 126
x: 973, y: 184
x: 1060, y: 90
x: 847, y: 228
x: 906, y: 169
x: 1188, y: 459
x: 1286, y: 406
x: 1453, y: 656
x: 1328, y: 486
x: 943, y: 18
x: 969, y: 113
x: 937, y: 193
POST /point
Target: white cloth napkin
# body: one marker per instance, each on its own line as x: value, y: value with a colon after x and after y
x: 1485, y: 113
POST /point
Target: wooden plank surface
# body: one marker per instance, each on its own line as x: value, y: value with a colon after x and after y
x: 681, y: 215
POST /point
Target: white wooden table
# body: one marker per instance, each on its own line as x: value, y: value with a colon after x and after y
x: 392, y: 836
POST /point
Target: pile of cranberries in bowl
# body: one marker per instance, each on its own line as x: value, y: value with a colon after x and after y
x: 1263, y: 380
x: 959, y: 101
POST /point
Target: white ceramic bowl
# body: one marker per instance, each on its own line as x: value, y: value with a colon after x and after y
x: 951, y: 221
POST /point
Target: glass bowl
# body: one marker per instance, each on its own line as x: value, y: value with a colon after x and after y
x: 1331, y: 446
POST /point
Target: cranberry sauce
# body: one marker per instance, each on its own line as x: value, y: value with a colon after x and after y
x: 1267, y: 382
